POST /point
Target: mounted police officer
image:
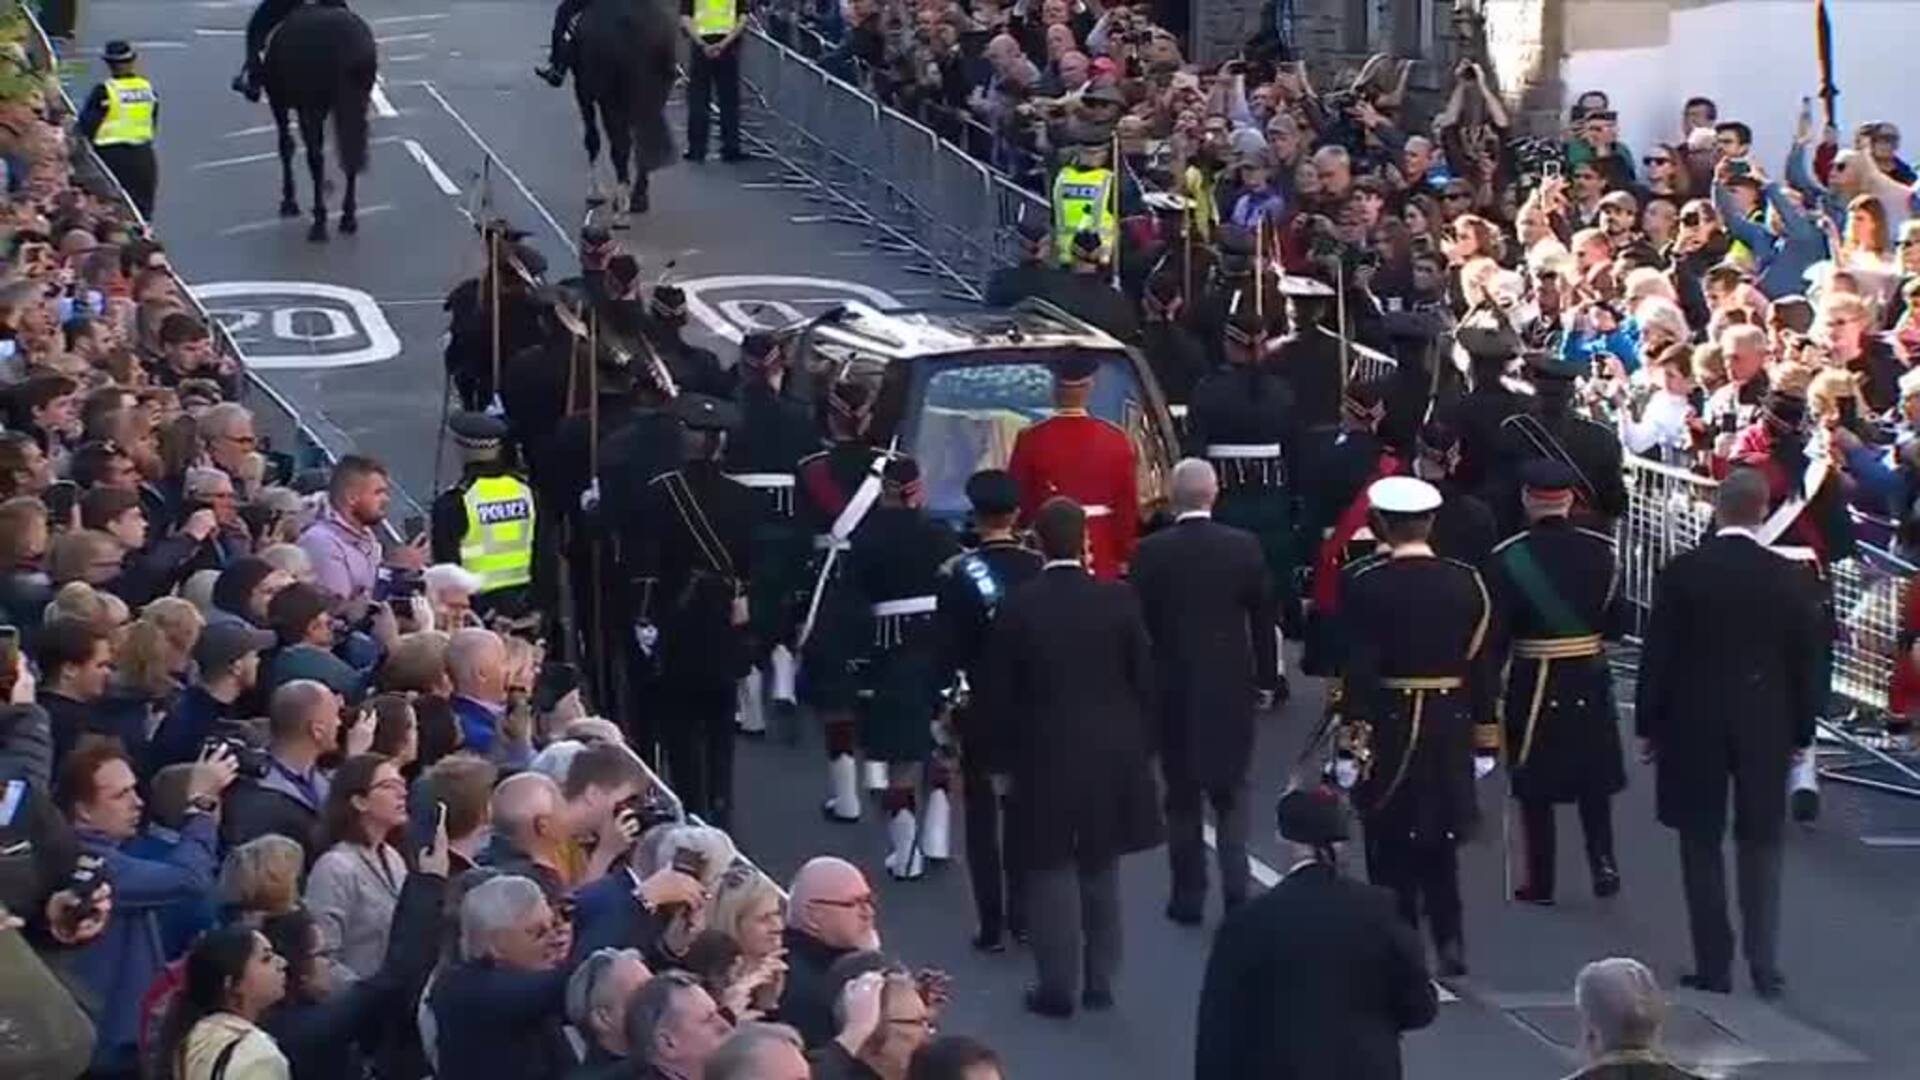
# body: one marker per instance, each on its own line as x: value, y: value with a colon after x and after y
x: 775, y: 434
x: 1552, y: 586
x: 118, y: 119
x: 1415, y: 710
x: 894, y: 567
x: 693, y: 557
x: 486, y: 522
x: 836, y: 490
x: 1242, y: 422
x: 260, y: 27
x: 972, y: 584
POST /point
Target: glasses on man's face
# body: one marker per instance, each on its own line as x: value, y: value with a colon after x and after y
x: 864, y: 900
x: 1454, y: 196
x: 1655, y: 161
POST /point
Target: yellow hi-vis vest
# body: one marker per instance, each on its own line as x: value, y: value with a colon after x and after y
x: 129, y: 119
x: 714, y: 18
x: 498, y: 545
x: 1082, y: 199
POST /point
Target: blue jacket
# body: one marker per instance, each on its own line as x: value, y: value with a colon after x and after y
x: 1623, y: 341
x: 183, y: 920
x: 118, y: 966
x: 480, y: 733
x: 195, y: 715
x: 1779, y: 261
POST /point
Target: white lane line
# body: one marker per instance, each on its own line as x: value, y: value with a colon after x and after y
x: 506, y: 169
x: 381, y: 106
x: 391, y: 38
x: 159, y: 44
x: 440, y: 178
x: 1265, y: 875
x: 274, y: 223
x: 213, y: 31
x: 406, y: 58
x: 271, y: 155
x: 249, y: 132
x: 389, y: 20
x: 1891, y: 841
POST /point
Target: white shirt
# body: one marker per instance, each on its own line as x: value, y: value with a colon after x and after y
x: 1739, y: 530
x: 1662, y: 424
x: 1075, y: 563
x: 1193, y: 514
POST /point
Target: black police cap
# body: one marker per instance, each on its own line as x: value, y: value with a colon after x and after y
x: 992, y: 491
x: 1549, y: 367
x: 477, y: 430
x: 1076, y: 367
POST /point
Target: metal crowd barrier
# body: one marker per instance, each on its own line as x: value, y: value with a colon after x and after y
x: 867, y: 164
x: 1669, y: 510
x: 274, y: 417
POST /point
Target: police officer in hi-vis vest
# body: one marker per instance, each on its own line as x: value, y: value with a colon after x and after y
x: 118, y: 119
x: 486, y: 521
x: 713, y: 29
x: 1084, y: 195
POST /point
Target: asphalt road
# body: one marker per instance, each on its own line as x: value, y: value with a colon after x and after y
x: 364, y: 366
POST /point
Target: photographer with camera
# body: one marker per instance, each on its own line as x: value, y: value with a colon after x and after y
x: 303, y: 726
x: 97, y: 792
x: 226, y: 666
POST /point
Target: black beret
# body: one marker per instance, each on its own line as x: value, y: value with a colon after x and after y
x: 703, y: 413
x: 1312, y: 815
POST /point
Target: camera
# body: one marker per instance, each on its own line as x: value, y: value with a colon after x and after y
x: 691, y: 862
x: 651, y: 807
x: 86, y: 882
x: 253, y: 763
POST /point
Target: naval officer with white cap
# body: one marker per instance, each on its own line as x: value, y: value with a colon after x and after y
x: 1416, y: 723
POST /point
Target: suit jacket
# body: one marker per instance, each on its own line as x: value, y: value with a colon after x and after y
x: 1314, y: 979
x: 1209, y: 607
x: 1729, y: 683
x: 1069, y: 668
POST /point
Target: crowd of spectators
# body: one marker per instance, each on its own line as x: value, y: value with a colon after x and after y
x: 275, y: 803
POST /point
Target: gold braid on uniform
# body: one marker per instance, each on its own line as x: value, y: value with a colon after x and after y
x: 1486, y: 736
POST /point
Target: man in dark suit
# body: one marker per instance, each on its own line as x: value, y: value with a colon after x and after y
x: 1209, y: 607
x: 1319, y: 975
x: 1729, y: 688
x: 1068, y: 664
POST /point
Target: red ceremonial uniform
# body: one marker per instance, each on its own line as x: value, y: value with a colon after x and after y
x: 1091, y: 462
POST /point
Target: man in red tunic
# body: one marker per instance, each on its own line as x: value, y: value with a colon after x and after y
x: 1085, y: 458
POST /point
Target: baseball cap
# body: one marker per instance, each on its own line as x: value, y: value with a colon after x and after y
x: 222, y: 643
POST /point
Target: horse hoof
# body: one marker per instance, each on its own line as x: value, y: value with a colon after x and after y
x: 620, y: 220
x: 317, y: 234
x: 349, y: 224
x: 289, y: 208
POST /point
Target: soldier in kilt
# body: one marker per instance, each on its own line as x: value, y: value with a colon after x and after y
x: 1552, y: 586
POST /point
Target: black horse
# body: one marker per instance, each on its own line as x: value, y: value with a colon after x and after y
x: 623, y: 71
x: 321, y: 62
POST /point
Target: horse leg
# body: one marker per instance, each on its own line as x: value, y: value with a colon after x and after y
x: 349, y: 207
x: 641, y: 175
x: 313, y: 132
x: 289, y: 206
x: 620, y: 148
x: 590, y: 125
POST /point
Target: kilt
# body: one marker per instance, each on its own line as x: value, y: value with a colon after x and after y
x: 842, y: 636
x: 901, y: 687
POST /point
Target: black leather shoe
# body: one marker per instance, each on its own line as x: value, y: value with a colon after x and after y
x: 1185, y: 916
x: 989, y: 942
x: 1047, y: 1005
x: 1707, y: 984
x: 693, y: 157
x: 1096, y: 1000
x: 1769, y: 985
x: 733, y: 156
x: 1450, y: 960
x: 1606, y: 879
x: 553, y: 74
x: 1282, y: 690
x: 1527, y: 895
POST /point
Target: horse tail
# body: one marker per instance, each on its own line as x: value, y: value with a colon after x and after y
x: 350, y: 121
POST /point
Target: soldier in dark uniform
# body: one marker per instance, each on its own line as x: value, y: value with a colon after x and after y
x: 1551, y: 429
x: 830, y: 505
x: 1417, y: 716
x: 1336, y: 518
x: 1552, y: 586
x: 775, y: 433
x: 1033, y: 275
x: 692, y: 552
x: 894, y: 566
x: 1464, y: 529
x: 1242, y: 422
x: 1230, y: 286
x: 481, y: 442
x: 1086, y: 290
x: 1488, y: 346
x: 1178, y: 255
x: 1308, y: 359
x: 1178, y: 358
x: 972, y: 584
x: 695, y: 370
x: 469, y: 352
